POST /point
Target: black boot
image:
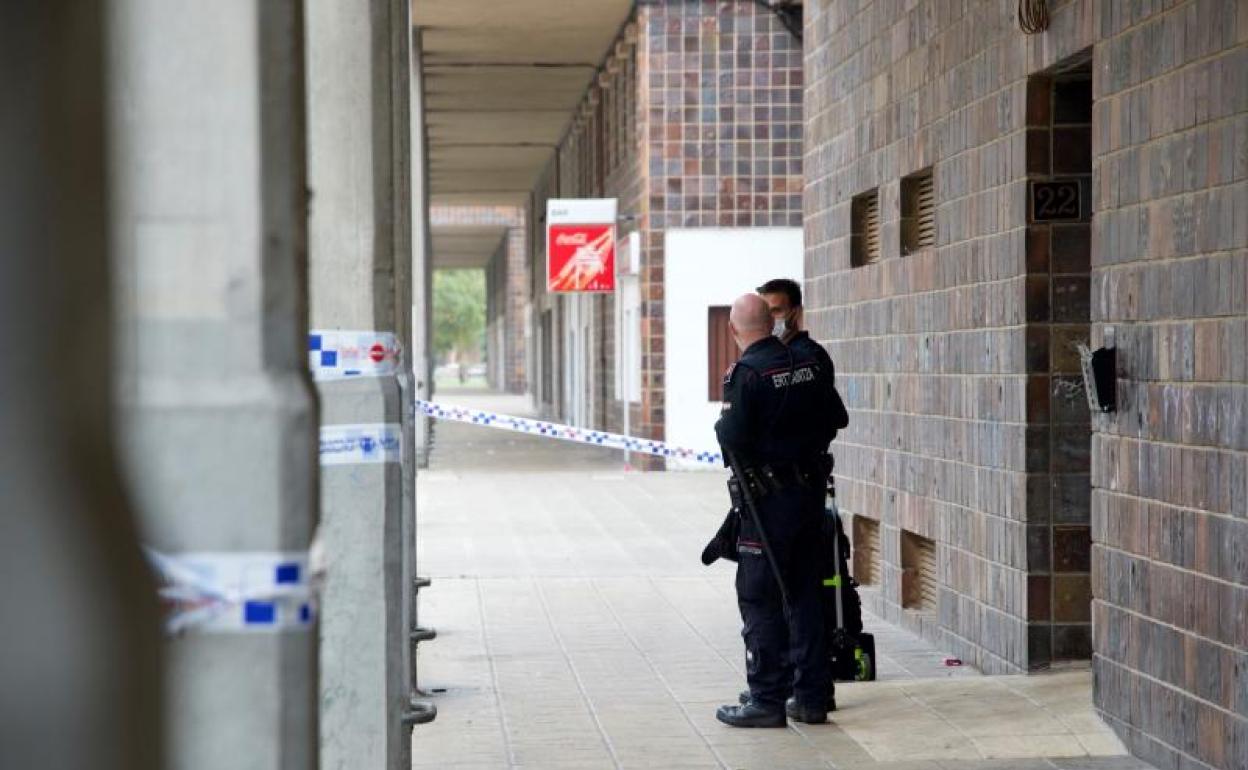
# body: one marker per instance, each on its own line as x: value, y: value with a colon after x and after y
x: 750, y: 715
x: 744, y: 698
x: 800, y: 713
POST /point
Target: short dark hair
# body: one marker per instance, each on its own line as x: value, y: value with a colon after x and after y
x: 786, y: 286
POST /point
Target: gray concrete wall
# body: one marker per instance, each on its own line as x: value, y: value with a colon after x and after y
x: 358, y: 252
x: 218, y: 418
x: 82, y: 659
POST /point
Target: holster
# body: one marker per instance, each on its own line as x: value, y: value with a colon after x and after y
x: 762, y: 482
x: 724, y: 543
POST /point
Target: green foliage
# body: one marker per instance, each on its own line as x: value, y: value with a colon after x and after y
x: 458, y: 310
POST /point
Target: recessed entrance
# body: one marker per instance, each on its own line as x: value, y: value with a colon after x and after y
x: 1059, y: 167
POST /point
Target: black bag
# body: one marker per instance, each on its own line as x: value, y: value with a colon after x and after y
x: 842, y: 607
x: 851, y: 651
x: 852, y: 657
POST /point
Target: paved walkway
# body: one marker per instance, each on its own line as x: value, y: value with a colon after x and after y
x: 578, y: 630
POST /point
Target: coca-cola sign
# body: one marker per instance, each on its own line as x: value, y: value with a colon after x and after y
x: 580, y: 245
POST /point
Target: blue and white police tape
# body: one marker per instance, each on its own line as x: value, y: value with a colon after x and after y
x: 232, y: 592
x: 335, y: 354
x: 361, y: 443
x: 565, y: 432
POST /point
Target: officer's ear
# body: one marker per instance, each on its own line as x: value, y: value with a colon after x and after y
x: 736, y: 338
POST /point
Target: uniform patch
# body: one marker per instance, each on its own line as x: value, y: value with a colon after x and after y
x: 795, y: 377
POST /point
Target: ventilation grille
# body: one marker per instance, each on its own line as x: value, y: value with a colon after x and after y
x: 918, y: 212
x: 918, y: 573
x: 864, y: 247
x: 866, y: 551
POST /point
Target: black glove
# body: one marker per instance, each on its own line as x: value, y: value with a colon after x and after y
x: 724, y: 544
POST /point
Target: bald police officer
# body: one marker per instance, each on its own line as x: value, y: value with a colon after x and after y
x: 775, y: 427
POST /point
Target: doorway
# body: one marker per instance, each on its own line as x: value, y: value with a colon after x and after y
x: 1058, y: 305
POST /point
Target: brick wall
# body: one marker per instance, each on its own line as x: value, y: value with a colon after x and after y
x: 721, y: 144
x: 495, y: 319
x: 1170, y: 483
x: 696, y: 122
x: 1058, y: 265
x: 957, y: 363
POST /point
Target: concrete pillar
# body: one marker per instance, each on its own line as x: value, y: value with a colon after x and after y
x: 357, y: 135
x: 209, y: 228
x: 422, y: 251
x: 81, y: 663
x: 421, y: 318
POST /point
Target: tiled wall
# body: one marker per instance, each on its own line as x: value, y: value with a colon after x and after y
x: 709, y: 135
x: 955, y: 361
x: 1170, y: 469
x: 1059, y: 542
x: 722, y: 101
x: 495, y: 319
x: 932, y: 349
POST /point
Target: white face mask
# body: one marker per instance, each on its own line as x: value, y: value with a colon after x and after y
x: 779, y: 328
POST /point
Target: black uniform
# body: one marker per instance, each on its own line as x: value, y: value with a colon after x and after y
x: 803, y: 344
x: 776, y: 424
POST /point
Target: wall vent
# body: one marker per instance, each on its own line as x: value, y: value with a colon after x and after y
x: 918, y: 212
x: 866, y: 551
x: 864, y: 245
x: 918, y: 572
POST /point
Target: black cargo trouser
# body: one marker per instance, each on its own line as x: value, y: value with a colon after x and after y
x: 783, y: 655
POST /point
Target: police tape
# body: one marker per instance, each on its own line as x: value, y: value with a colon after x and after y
x: 565, y: 432
x: 361, y: 443
x: 233, y: 592
x: 335, y: 354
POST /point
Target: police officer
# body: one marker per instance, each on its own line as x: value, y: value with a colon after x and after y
x: 774, y: 427
x: 784, y: 297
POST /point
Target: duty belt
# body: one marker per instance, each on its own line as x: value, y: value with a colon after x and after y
x: 773, y: 477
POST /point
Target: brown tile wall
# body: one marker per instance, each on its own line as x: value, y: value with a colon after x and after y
x: 1170, y: 468
x: 722, y: 104
x: 1058, y: 263
x: 951, y: 359
x: 711, y: 137
x: 495, y: 301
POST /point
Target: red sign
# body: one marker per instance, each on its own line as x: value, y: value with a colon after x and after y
x: 581, y: 258
x: 377, y: 352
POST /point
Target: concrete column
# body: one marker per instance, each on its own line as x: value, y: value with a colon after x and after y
x: 82, y: 659
x: 400, y: 100
x: 422, y: 251
x: 356, y: 139
x: 422, y: 324
x: 209, y: 228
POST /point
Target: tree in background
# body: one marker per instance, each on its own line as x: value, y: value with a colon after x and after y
x: 458, y: 312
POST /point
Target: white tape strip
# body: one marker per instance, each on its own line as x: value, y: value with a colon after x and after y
x: 230, y: 592
x: 566, y: 432
x: 380, y: 442
x: 335, y: 355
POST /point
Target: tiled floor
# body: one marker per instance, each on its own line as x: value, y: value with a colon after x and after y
x: 577, y: 629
